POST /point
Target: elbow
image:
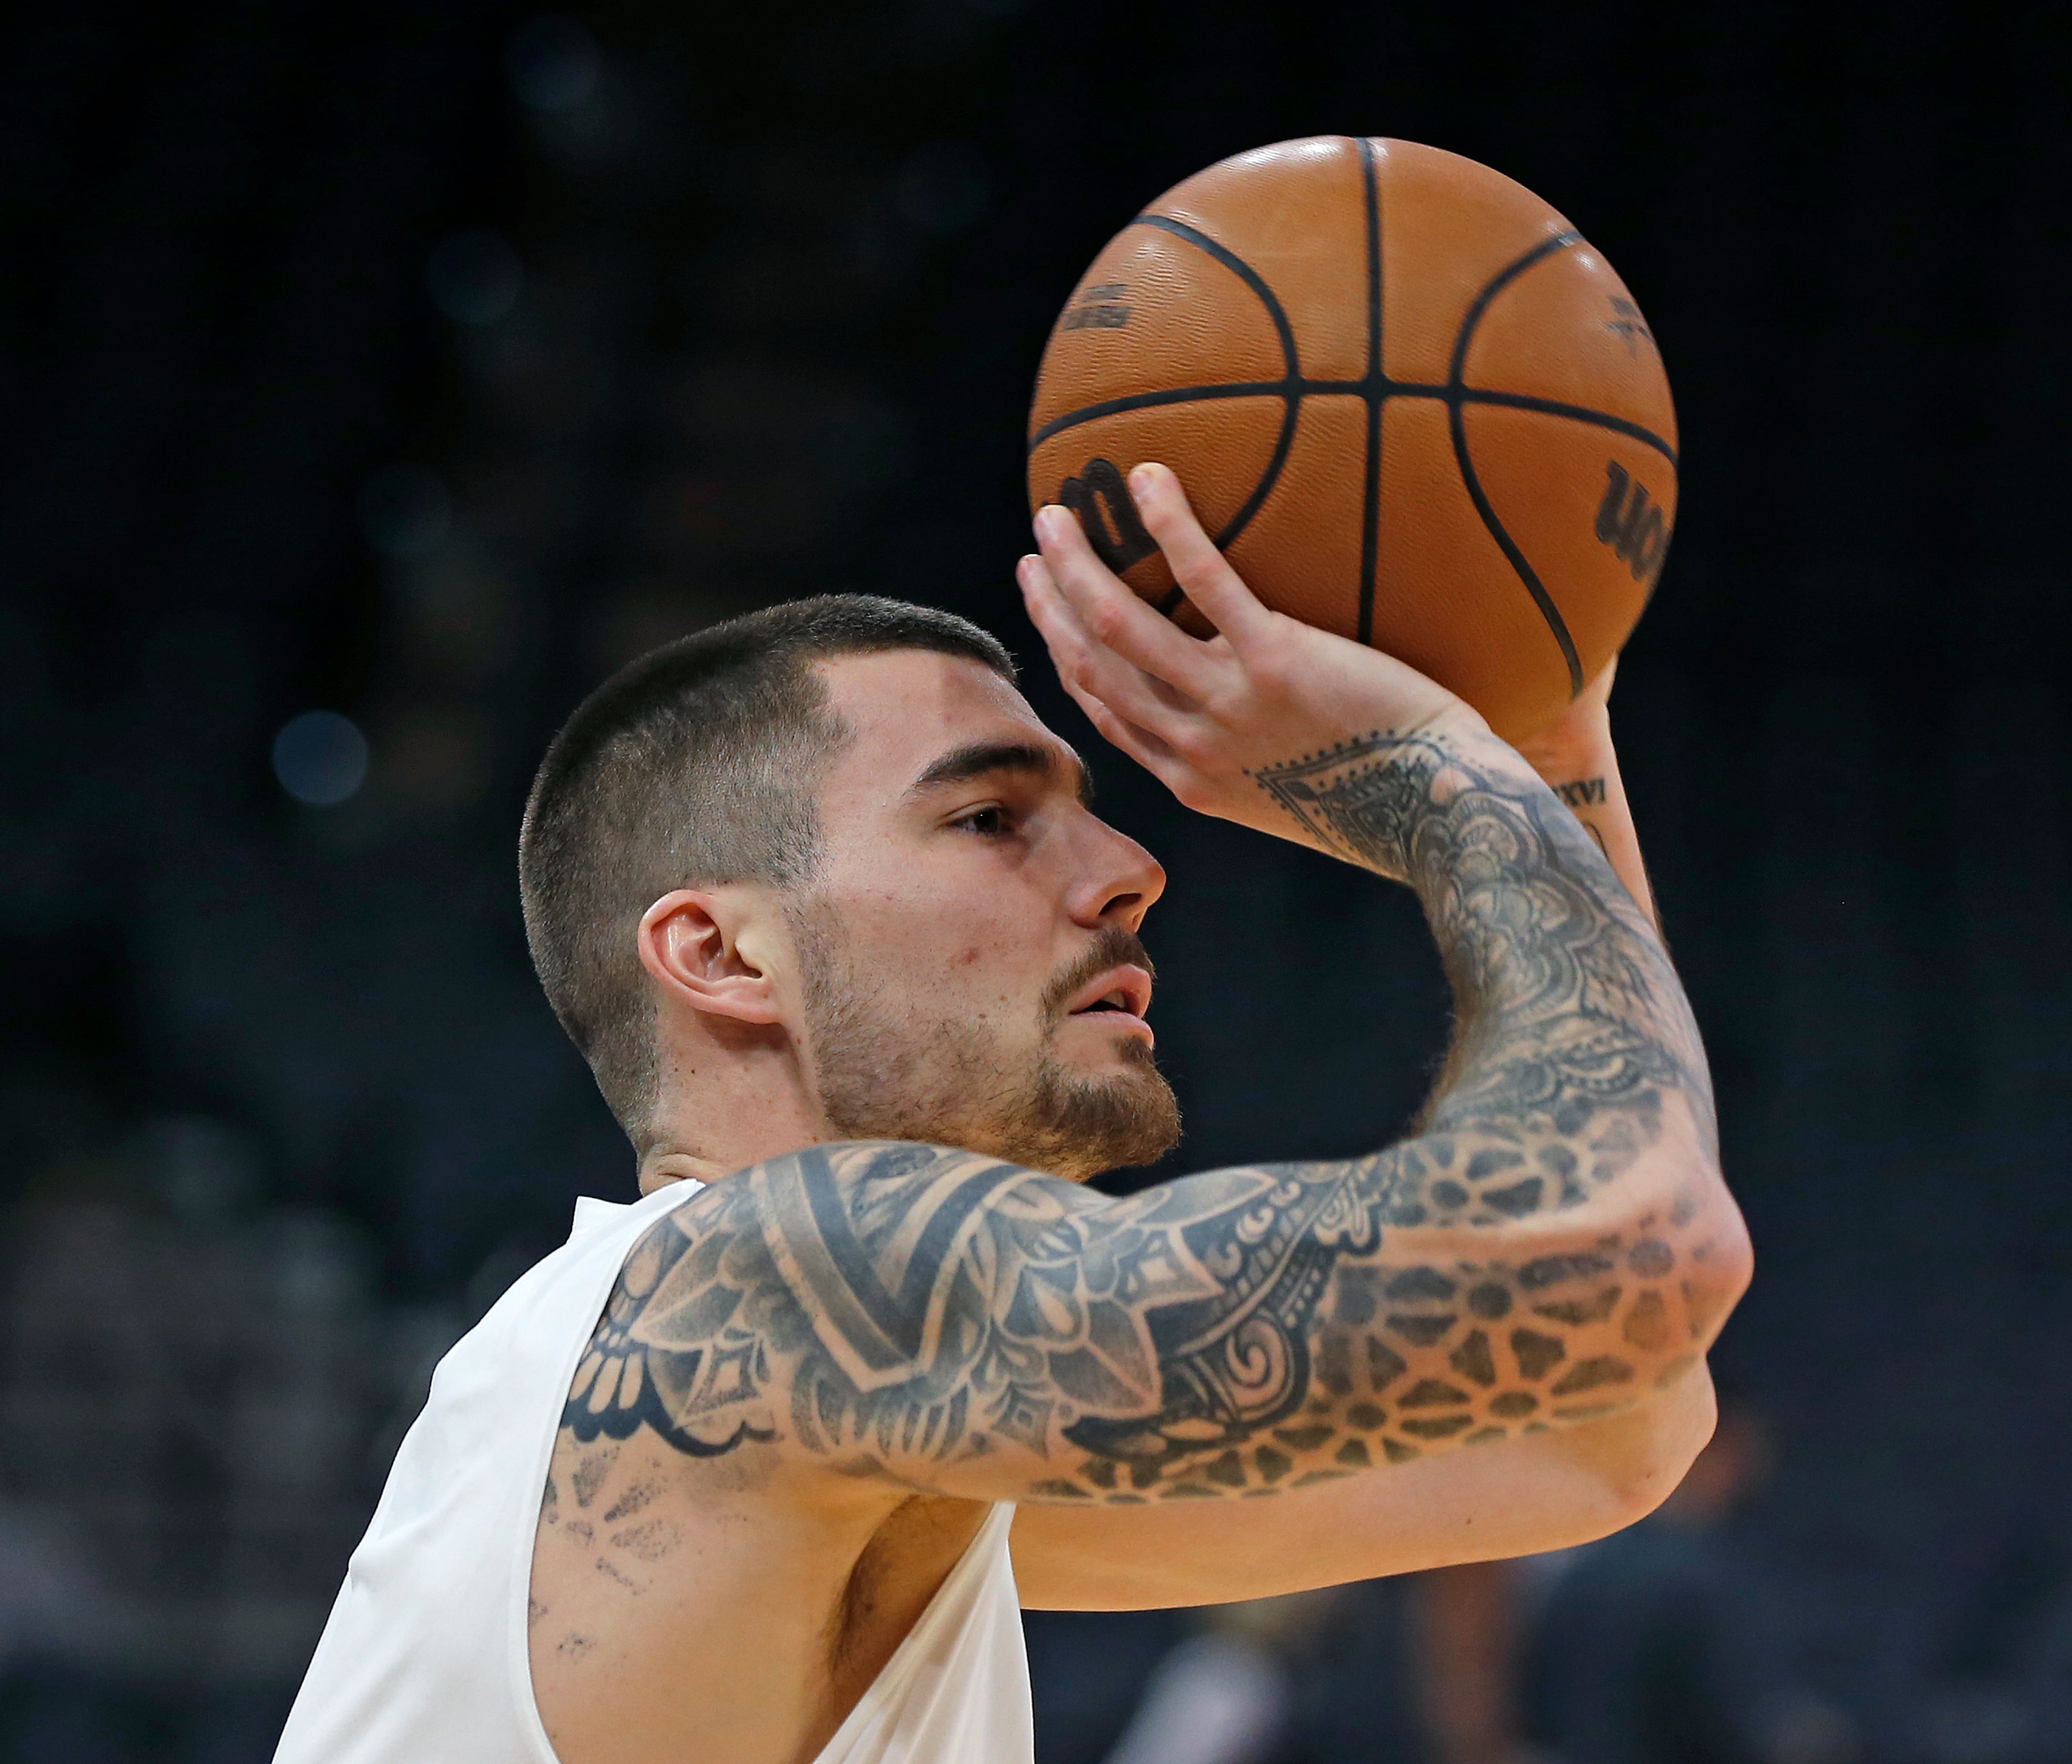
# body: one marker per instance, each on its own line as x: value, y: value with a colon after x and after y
x: 1606, y: 1470
x: 1699, y: 1262
x: 1617, y: 1471
x: 1662, y: 1436
x: 1668, y: 1434
x: 1718, y: 1262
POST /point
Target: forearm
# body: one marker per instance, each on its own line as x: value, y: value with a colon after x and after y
x: 1569, y: 1012
x: 1597, y: 796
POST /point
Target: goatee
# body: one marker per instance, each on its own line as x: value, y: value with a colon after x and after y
x: 951, y: 1083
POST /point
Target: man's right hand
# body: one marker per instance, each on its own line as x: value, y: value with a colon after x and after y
x: 1205, y: 716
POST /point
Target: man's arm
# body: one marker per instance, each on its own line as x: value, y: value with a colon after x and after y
x: 1553, y: 1251
x: 1553, y: 1247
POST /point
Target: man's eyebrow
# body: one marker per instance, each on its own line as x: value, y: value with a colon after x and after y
x: 960, y: 765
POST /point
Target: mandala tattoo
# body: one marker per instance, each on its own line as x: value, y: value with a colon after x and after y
x: 894, y: 1308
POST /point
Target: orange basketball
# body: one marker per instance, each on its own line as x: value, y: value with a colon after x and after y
x: 1408, y: 400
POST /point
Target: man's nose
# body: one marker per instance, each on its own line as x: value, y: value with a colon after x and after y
x: 1121, y: 880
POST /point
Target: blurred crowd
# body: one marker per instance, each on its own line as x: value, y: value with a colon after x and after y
x: 199, y: 1395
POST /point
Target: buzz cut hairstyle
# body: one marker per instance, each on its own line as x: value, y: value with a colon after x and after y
x: 697, y: 765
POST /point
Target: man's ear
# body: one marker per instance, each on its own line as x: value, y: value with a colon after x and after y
x: 691, y: 943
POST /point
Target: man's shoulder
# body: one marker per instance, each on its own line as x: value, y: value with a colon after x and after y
x: 842, y: 1192
x: 843, y: 1242
x: 829, y: 1262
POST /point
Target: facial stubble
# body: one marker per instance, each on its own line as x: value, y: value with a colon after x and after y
x: 954, y: 1082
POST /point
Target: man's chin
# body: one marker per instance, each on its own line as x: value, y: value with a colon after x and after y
x: 1118, y: 1119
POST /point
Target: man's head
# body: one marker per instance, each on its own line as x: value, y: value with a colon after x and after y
x: 820, y: 872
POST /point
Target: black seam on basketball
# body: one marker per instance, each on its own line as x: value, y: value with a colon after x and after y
x: 1350, y: 389
x: 1172, y: 394
x: 1457, y: 421
x: 1291, y: 410
x: 1548, y: 611
x: 1376, y: 392
x: 1552, y: 407
x: 1291, y: 360
x: 1495, y: 286
x: 1282, y: 442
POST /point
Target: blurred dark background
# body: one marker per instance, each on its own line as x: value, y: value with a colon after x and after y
x: 378, y: 376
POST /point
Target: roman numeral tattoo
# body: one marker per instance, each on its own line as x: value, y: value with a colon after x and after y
x: 1545, y: 1249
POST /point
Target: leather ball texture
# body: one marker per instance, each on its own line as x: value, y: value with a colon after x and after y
x: 1408, y: 400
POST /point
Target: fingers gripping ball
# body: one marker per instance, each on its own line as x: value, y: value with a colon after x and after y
x: 1408, y: 400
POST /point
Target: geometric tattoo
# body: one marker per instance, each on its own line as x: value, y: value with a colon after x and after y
x: 934, y: 1316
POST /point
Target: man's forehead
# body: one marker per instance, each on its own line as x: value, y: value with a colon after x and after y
x: 905, y: 708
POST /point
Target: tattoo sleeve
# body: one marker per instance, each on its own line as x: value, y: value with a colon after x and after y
x: 1549, y: 1245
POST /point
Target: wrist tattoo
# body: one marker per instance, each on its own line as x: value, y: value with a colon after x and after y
x: 1359, y: 798
x: 1582, y: 793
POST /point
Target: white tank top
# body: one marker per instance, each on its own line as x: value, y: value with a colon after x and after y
x: 425, y: 1659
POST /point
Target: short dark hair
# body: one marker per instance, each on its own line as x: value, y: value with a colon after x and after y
x: 693, y: 766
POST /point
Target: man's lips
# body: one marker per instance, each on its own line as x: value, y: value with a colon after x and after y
x: 1121, y: 998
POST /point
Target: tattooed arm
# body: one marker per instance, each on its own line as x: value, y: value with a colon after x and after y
x: 1552, y: 1251
x: 1552, y: 1247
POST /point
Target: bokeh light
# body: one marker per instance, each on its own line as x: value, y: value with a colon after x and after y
x: 404, y: 511
x: 553, y: 63
x: 474, y: 277
x: 320, y: 757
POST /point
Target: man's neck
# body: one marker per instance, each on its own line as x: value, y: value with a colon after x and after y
x: 672, y: 1160
x: 659, y: 1169
x: 723, y: 1107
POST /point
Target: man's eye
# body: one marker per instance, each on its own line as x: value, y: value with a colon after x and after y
x: 989, y: 821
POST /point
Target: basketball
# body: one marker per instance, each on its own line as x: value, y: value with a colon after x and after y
x: 1411, y: 403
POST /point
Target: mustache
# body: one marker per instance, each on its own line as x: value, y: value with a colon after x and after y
x: 1113, y: 947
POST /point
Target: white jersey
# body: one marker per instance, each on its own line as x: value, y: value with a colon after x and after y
x: 425, y: 1659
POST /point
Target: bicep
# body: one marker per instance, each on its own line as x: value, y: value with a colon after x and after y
x: 925, y: 1317
x: 1543, y: 1492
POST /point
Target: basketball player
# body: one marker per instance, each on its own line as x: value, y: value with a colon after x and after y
x: 823, y: 905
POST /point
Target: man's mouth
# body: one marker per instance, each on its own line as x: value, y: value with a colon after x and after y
x: 1121, y: 996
